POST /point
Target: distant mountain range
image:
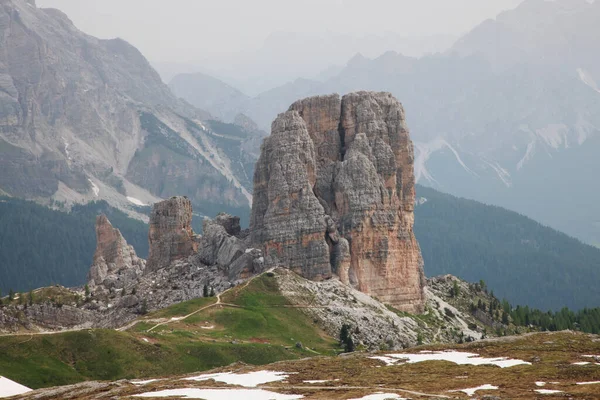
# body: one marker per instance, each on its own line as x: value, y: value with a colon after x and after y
x: 510, y: 115
x: 86, y: 119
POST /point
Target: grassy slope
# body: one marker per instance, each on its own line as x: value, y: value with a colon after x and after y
x: 257, y: 333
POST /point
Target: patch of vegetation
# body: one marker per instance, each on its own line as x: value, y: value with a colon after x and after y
x: 42, y: 247
x: 51, y: 360
x: 223, y: 128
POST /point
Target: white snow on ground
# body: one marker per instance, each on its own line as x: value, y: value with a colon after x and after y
x: 589, y: 383
x: 590, y: 356
x: 317, y: 381
x: 587, y: 79
x: 251, y: 379
x: 10, y: 388
x: 208, y: 327
x: 67, y: 149
x: 470, y: 392
x: 456, y: 357
x: 540, y: 384
x: 381, y: 396
x: 95, y: 188
x: 424, y: 152
x: 528, y: 154
x: 503, y: 174
x: 145, y: 340
x: 136, y: 201
x: 582, y: 363
x: 222, y: 394
x: 547, y: 391
x: 142, y: 383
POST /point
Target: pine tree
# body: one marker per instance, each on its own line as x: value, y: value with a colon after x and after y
x: 87, y: 291
x: 349, y: 345
x: 144, y: 309
x: 205, y: 291
x: 11, y: 295
x: 212, y: 292
x: 31, y: 297
x: 344, y: 333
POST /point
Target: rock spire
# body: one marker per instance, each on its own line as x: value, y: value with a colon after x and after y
x: 334, y: 193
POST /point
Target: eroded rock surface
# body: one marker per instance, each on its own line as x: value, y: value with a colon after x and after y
x: 115, y: 262
x: 171, y: 236
x: 334, y: 192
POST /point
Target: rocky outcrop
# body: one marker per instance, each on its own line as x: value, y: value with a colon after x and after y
x: 171, y: 236
x: 224, y: 244
x: 334, y: 192
x: 116, y: 264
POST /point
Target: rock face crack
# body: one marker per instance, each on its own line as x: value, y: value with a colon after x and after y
x: 334, y: 196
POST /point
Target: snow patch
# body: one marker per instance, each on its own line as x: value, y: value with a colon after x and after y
x: 582, y: 363
x: 136, y: 201
x: 424, y: 152
x: 317, y: 381
x: 470, y: 392
x: 503, y: 174
x: 381, y: 396
x: 456, y: 357
x: 547, y: 391
x: 540, y: 384
x: 251, y: 379
x: 95, y: 188
x: 142, y: 383
x: 528, y: 155
x: 10, y: 388
x: 587, y: 79
x: 222, y: 394
x: 589, y: 383
x: 67, y: 149
x: 208, y: 327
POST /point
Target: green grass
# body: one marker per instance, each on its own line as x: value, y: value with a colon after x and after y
x: 260, y: 332
x: 184, y: 308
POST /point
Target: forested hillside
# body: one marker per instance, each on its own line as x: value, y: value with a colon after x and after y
x: 520, y: 259
x: 40, y: 247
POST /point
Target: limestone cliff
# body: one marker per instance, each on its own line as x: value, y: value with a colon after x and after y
x: 171, y: 236
x: 334, y: 192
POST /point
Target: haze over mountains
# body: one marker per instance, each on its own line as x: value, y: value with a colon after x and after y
x: 510, y: 115
x: 85, y: 119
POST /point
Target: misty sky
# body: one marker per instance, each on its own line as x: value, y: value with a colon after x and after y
x: 189, y: 30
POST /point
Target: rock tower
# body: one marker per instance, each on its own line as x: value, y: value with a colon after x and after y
x: 334, y: 192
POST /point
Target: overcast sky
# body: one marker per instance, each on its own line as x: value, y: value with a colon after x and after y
x: 183, y: 29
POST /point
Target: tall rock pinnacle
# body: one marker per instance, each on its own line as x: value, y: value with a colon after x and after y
x: 334, y: 193
x: 171, y: 236
x: 115, y: 262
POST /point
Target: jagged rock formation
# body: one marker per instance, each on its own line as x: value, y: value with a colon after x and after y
x: 171, y: 236
x: 225, y: 244
x: 116, y: 265
x: 334, y: 193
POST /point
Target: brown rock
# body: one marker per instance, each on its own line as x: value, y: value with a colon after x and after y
x: 114, y: 259
x: 171, y: 236
x: 340, y: 173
